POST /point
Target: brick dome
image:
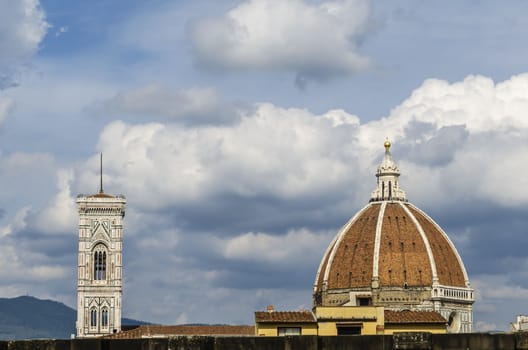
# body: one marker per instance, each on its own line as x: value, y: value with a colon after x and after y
x: 394, y: 255
x: 391, y: 244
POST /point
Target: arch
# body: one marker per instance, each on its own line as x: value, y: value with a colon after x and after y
x: 104, y: 317
x: 93, y: 317
x: 454, y: 322
x: 99, y: 254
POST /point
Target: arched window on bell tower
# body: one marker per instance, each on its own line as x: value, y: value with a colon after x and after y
x: 104, y: 318
x: 93, y: 318
x: 99, y: 262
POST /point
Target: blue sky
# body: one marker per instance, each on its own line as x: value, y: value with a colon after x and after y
x: 245, y: 133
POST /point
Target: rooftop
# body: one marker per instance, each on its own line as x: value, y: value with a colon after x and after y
x: 303, y: 316
x: 408, y: 316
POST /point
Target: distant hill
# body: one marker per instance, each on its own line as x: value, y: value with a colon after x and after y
x: 27, y: 317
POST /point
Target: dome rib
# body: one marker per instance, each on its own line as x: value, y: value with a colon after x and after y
x: 318, y: 284
x: 377, y: 242
x: 446, y: 276
x: 403, y: 260
x: 345, y: 232
x: 426, y: 242
x: 330, y: 251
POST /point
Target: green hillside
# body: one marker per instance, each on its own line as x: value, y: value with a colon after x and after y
x: 27, y: 317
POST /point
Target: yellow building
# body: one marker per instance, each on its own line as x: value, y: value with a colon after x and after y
x: 346, y: 320
x: 273, y: 323
x: 349, y: 320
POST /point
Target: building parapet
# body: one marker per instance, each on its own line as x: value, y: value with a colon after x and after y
x: 411, y: 340
x: 440, y: 292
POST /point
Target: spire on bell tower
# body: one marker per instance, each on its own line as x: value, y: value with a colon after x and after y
x: 101, y: 175
x: 388, y: 188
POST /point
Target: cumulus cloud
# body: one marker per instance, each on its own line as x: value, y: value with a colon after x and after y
x: 6, y: 104
x: 21, y: 266
x: 315, y: 41
x: 60, y: 215
x: 17, y: 223
x: 472, y: 129
x: 25, y: 268
x: 22, y: 27
x: 445, y: 135
x: 292, y: 149
x: 494, y: 296
x: 439, y: 148
x: 30, y: 259
x: 476, y: 102
x: 294, y: 246
x: 195, y: 106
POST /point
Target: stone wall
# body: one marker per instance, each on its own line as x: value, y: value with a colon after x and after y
x: 411, y: 341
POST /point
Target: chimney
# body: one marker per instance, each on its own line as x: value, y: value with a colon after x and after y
x: 270, y: 308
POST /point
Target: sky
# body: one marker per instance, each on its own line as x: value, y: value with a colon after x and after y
x: 244, y: 134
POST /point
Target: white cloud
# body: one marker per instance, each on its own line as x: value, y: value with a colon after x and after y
x: 157, y: 103
x: 476, y: 102
x: 6, y: 105
x: 499, y: 287
x: 461, y: 140
x: 17, y: 223
x: 61, y: 31
x: 282, y: 152
x: 22, y: 27
x: 471, y: 130
x: 498, y: 299
x: 60, y: 215
x: 19, y: 266
x: 20, y: 270
x: 44, y: 273
x: 292, y: 247
x: 24, y: 258
x: 311, y: 40
x: 166, y: 239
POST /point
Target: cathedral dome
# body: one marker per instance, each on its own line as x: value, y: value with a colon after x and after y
x: 393, y: 254
x: 390, y: 244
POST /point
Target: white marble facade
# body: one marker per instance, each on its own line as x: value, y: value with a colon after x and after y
x: 100, y: 264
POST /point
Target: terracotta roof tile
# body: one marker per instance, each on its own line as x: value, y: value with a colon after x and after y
x: 408, y: 316
x: 149, y: 331
x: 304, y: 316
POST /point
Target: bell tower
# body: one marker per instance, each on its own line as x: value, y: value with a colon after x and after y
x: 100, y: 264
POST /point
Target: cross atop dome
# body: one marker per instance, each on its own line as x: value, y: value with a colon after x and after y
x: 388, y: 188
